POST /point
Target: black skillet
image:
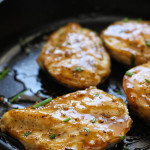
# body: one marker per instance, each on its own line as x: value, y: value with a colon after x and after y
x: 25, y: 27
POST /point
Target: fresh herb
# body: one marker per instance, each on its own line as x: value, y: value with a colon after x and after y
x: 129, y: 73
x: 86, y: 130
x: 132, y: 59
x: 27, y: 133
x: 68, y: 43
x: 148, y: 43
x: 52, y: 136
x: 96, y: 94
x: 122, y: 138
x: 147, y: 80
x: 94, y: 120
x: 58, y: 44
x: 139, y: 20
x: 4, y: 73
x: 119, y: 92
x: 125, y: 20
x: 67, y: 119
x: 78, y: 69
x: 102, y: 42
x: 43, y: 102
x: 18, y: 95
x: 96, y: 33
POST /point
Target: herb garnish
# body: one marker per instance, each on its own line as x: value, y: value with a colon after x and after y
x: 139, y: 20
x: 78, y: 69
x: 147, y: 80
x: 122, y: 138
x: 52, y: 136
x: 101, y: 42
x: 68, y: 43
x: 27, y: 133
x: 94, y: 120
x: 18, y: 95
x: 96, y: 94
x: 86, y: 130
x: 67, y: 119
x: 119, y: 92
x: 148, y: 43
x: 132, y: 59
x: 4, y: 73
x: 125, y: 20
x: 129, y: 73
x: 42, y: 102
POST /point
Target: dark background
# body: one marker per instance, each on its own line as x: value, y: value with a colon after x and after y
x: 17, y: 17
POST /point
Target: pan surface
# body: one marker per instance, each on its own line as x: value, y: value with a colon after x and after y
x: 25, y: 74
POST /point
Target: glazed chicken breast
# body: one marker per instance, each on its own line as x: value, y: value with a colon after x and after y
x: 136, y: 84
x: 83, y: 120
x: 75, y: 57
x: 128, y: 41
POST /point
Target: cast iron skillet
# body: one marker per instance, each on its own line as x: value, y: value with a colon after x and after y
x: 21, y: 56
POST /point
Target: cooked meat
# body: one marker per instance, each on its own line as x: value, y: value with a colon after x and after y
x: 128, y: 42
x: 137, y: 89
x: 83, y: 120
x: 75, y: 57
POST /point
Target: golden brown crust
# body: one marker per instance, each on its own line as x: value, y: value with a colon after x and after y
x: 137, y: 90
x: 124, y: 39
x: 112, y: 121
x: 73, y: 46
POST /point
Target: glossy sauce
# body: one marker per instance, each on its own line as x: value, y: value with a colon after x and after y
x: 126, y: 38
x: 73, y: 46
x: 112, y: 121
x: 137, y: 90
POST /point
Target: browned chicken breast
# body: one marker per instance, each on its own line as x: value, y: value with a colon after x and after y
x: 128, y: 41
x: 136, y: 84
x: 84, y: 120
x: 75, y: 57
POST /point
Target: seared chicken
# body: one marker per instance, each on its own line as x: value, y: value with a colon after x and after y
x: 136, y: 84
x: 83, y: 120
x: 128, y: 42
x: 75, y: 57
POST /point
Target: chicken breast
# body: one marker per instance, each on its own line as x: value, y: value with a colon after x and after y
x: 83, y: 120
x: 75, y: 57
x: 128, y: 42
x: 137, y: 89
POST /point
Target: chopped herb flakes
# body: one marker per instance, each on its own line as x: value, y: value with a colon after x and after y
x: 27, y: 133
x: 18, y: 95
x: 125, y: 20
x: 4, y: 73
x: 129, y: 73
x: 119, y: 92
x: 97, y: 94
x: 78, y: 69
x: 139, y: 20
x: 42, y: 103
x: 52, y: 136
x: 101, y: 42
x: 147, y: 80
x: 67, y: 119
x: 132, y: 59
x: 122, y: 138
x: 58, y: 44
x: 148, y: 43
x: 68, y: 43
x: 94, y: 120
x: 86, y: 130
